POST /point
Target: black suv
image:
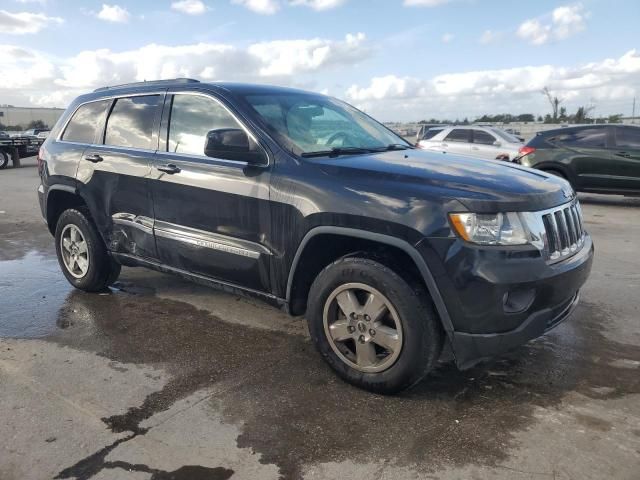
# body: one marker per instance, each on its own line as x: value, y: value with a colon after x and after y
x: 308, y: 203
x: 593, y: 158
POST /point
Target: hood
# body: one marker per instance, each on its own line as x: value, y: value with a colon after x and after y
x: 480, y: 185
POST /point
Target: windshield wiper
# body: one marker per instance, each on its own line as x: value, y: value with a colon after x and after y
x: 398, y: 146
x: 336, y: 151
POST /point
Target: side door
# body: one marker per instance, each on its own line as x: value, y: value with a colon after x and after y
x: 484, y: 145
x: 457, y: 141
x: 585, y: 152
x: 212, y: 214
x: 113, y: 176
x: 626, y: 149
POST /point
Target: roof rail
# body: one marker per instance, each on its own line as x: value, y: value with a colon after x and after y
x: 150, y: 83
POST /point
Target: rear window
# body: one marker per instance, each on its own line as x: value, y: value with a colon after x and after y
x: 583, y: 138
x: 430, y: 133
x: 131, y: 122
x: 458, y: 135
x: 83, y: 126
x: 628, y: 137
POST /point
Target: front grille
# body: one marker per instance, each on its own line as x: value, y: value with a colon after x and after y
x: 564, y: 231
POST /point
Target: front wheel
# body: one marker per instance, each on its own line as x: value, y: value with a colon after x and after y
x: 82, y: 254
x: 376, y: 330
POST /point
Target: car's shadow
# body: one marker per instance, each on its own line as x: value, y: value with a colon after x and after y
x: 294, y: 411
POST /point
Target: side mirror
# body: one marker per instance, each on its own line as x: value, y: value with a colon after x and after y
x: 233, y: 144
x: 497, y: 143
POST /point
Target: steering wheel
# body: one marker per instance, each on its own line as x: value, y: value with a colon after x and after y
x: 344, y: 135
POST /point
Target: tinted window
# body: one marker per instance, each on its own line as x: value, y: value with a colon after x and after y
x: 84, y: 124
x: 628, y: 137
x: 458, y: 135
x: 483, y: 138
x: 432, y: 132
x: 584, y: 138
x: 131, y: 122
x: 191, y: 118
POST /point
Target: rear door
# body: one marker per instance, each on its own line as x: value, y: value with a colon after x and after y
x: 457, y: 141
x: 626, y: 149
x: 212, y: 215
x: 114, y: 174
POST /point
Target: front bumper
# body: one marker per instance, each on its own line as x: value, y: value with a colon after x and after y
x: 498, y: 300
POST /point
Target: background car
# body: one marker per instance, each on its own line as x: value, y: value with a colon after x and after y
x: 489, y: 143
x: 593, y: 158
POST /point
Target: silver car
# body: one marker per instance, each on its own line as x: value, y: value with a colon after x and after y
x: 483, y: 142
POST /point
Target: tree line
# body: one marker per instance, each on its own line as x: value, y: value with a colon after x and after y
x: 20, y: 128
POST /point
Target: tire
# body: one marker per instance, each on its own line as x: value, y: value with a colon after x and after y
x: 4, y: 160
x: 92, y: 269
x: 417, y: 342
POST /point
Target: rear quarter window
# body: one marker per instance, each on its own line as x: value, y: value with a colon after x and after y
x: 83, y: 126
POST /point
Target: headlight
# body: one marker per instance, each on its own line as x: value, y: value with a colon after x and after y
x: 490, y: 229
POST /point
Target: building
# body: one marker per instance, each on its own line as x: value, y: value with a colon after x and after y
x: 22, y: 116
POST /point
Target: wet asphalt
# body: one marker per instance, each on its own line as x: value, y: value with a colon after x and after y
x: 161, y: 379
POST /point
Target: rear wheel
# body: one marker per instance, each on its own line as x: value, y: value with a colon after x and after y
x: 4, y: 160
x: 376, y: 330
x: 82, y: 254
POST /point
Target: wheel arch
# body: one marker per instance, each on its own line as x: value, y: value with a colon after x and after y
x: 59, y: 199
x: 293, y: 296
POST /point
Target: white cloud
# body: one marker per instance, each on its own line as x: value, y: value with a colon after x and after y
x: 287, y: 57
x: 564, y: 22
x: 114, y: 13
x: 514, y: 89
x: 447, y: 37
x: 264, y: 7
x: 25, y: 22
x: 30, y: 77
x: 424, y: 3
x: 489, y: 36
x: 190, y: 7
x: 318, y: 4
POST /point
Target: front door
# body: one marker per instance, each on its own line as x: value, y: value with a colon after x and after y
x: 457, y: 141
x: 626, y: 151
x: 212, y: 215
x: 113, y: 175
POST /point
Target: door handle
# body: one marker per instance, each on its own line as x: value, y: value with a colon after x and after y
x: 170, y: 168
x: 94, y: 158
x: 475, y: 148
x: 624, y: 154
x: 444, y: 145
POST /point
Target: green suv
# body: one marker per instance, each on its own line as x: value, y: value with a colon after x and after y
x: 593, y: 158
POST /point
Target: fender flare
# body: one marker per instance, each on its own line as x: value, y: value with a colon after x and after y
x: 403, y: 245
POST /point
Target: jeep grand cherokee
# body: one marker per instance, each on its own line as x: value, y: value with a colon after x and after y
x: 308, y: 203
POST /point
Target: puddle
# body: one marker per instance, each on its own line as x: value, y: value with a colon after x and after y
x: 290, y: 408
x: 32, y: 291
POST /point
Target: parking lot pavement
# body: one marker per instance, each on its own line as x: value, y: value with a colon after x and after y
x: 164, y: 379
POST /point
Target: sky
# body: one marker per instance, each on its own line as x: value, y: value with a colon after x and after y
x: 399, y: 60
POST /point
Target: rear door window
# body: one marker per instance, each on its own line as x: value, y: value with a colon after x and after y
x: 483, y: 138
x: 83, y: 126
x: 628, y: 137
x: 131, y: 121
x: 583, y: 138
x: 459, y: 135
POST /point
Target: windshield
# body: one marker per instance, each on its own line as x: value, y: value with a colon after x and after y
x: 506, y: 135
x: 307, y: 124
